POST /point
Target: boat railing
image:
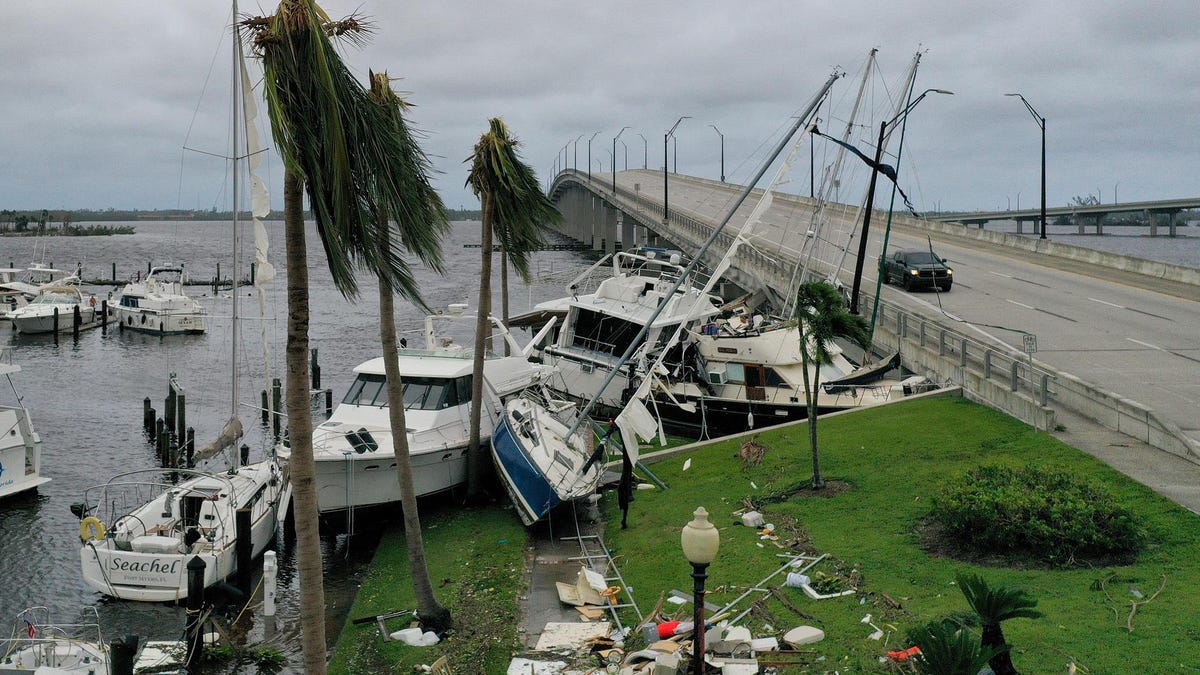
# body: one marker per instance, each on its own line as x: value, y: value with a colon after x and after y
x: 117, y: 501
x: 33, y: 627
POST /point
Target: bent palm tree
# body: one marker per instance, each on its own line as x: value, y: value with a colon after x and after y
x: 995, y: 605
x: 823, y: 316
x: 514, y: 207
x: 339, y: 146
x: 429, y: 209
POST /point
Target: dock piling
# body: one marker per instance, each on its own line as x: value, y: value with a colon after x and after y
x: 195, y: 603
x: 243, y: 550
x: 147, y: 416
x: 276, y: 403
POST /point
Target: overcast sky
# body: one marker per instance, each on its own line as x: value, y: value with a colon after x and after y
x: 101, y: 97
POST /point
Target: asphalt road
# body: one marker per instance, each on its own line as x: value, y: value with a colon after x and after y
x: 1120, y: 333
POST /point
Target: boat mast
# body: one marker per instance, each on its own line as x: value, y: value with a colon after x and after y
x: 637, y: 341
x: 234, y: 106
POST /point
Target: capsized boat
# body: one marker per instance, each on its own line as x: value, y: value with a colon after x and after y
x: 158, y: 304
x: 38, y: 646
x: 541, y: 459
x: 352, y: 450
x: 54, y: 307
x: 20, y: 445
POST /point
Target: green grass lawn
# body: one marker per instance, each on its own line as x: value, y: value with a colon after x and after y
x: 891, y: 461
x: 476, y: 557
x: 895, y: 459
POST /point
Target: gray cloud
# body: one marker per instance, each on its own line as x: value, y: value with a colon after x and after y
x: 101, y: 97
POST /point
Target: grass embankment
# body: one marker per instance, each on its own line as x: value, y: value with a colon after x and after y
x: 475, y: 557
x: 890, y: 461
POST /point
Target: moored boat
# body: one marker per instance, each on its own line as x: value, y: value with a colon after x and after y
x: 158, y: 304
x: 20, y: 445
x: 54, y: 308
x: 38, y: 646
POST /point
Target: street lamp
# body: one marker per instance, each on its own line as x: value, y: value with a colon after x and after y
x: 590, y: 154
x: 614, y: 157
x: 1041, y: 122
x: 645, y: 153
x: 623, y: 145
x: 667, y: 137
x: 862, y: 242
x: 722, y: 150
x: 700, y: 541
x: 575, y: 147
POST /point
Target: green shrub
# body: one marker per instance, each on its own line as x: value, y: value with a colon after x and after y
x: 1041, y: 514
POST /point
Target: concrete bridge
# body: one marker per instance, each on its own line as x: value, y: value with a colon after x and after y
x: 1162, y: 213
x: 1035, y: 328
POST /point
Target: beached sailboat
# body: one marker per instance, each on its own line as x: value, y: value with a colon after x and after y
x: 20, y: 445
x: 546, y: 451
x: 138, y: 530
x: 157, y: 304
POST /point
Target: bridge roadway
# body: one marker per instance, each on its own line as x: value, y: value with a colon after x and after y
x: 1132, y: 334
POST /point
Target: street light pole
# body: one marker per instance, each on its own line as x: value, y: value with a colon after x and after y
x: 623, y: 145
x: 575, y: 159
x: 862, y: 241
x: 722, y: 150
x: 1041, y: 122
x: 614, y: 159
x: 590, y: 154
x: 667, y: 137
x: 645, y: 153
x: 699, y: 540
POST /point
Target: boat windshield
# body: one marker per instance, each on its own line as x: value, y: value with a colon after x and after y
x: 420, y: 393
x: 54, y: 298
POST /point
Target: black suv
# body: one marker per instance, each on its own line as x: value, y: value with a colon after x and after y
x: 917, y: 269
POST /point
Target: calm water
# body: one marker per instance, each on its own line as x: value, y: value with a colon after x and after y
x: 86, y: 401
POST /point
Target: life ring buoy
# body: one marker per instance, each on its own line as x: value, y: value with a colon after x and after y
x: 91, y: 528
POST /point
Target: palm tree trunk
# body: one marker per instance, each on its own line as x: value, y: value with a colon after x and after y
x: 993, y: 636
x: 474, y: 452
x: 433, y: 615
x: 810, y: 398
x: 504, y: 295
x: 303, y: 471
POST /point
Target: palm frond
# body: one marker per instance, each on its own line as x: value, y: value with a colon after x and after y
x: 355, y: 155
x: 519, y: 206
x: 823, y: 311
x: 996, y: 604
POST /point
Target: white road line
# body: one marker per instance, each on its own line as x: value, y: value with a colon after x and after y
x: 1103, y: 302
x: 1000, y: 274
x: 1145, y: 344
x: 1020, y: 304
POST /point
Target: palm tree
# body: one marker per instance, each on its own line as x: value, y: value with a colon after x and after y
x: 514, y: 207
x: 948, y: 649
x: 429, y: 209
x: 823, y: 316
x: 340, y: 147
x: 995, y: 605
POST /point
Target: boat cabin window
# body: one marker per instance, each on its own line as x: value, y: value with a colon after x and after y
x: 420, y: 393
x: 599, y: 332
x: 54, y: 298
x: 129, y: 301
x: 735, y: 373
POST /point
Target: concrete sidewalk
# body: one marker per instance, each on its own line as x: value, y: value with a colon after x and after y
x: 1169, y: 475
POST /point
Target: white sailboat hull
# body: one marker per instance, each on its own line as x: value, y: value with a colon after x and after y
x: 146, y: 554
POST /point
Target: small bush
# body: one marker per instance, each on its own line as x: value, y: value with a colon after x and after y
x: 1046, y: 515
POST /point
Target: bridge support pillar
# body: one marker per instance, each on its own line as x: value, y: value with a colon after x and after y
x: 627, y: 225
x: 1020, y: 226
x: 610, y: 228
x: 1152, y: 221
x: 597, y: 214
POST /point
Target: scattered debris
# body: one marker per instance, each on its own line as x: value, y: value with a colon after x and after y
x: 520, y: 666
x: 751, y: 452
x: 803, y: 635
x: 571, y: 636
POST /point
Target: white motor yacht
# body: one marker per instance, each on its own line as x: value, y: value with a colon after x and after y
x: 355, y: 461
x: 158, y: 304
x: 53, y: 308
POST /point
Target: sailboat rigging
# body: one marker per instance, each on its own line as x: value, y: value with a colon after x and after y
x: 142, y: 553
x: 539, y: 452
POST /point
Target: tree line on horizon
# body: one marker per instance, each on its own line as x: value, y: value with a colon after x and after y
x: 21, y: 220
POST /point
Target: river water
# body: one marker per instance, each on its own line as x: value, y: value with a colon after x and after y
x: 86, y: 395
x: 85, y: 399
